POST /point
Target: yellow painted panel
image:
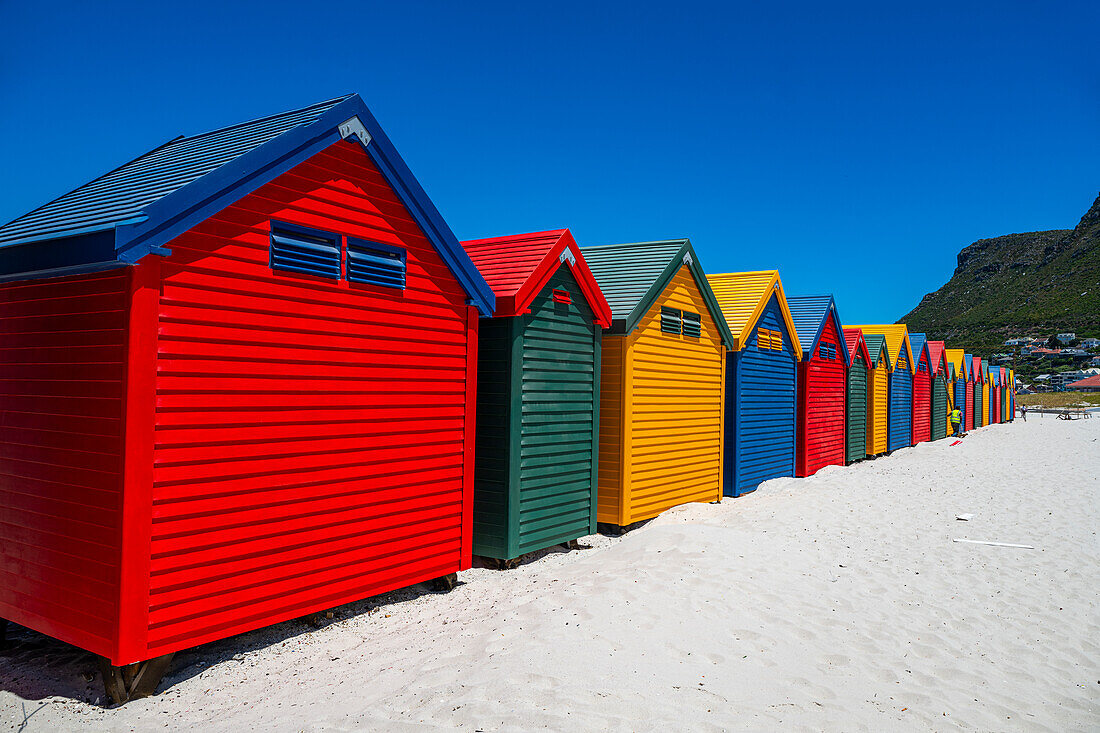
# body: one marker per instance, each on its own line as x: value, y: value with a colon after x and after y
x: 673, y: 432
x: 985, y: 402
x: 609, y: 481
x: 876, y: 410
x: 957, y: 357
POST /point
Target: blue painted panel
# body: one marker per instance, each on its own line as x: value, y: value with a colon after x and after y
x: 899, y: 413
x: 960, y: 397
x: 760, y: 407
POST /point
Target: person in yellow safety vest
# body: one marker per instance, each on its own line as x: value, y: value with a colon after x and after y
x: 956, y: 422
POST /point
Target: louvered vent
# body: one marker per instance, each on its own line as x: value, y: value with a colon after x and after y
x: 670, y: 320
x: 377, y: 264
x: 769, y: 339
x: 827, y: 350
x: 693, y: 324
x: 308, y: 251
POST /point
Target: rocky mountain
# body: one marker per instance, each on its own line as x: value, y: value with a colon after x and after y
x: 1036, y: 283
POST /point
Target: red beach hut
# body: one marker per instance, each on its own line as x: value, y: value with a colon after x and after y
x: 239, y: 379
x: 972, y: 363
x: 922, y: 389
x: 822, y: 384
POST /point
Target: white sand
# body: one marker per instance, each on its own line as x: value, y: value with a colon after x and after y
x: 838, y: 602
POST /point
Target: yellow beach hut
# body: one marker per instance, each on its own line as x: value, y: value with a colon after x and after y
x: 661, y: 383
x: 957, y: 391
x: 878, y: 392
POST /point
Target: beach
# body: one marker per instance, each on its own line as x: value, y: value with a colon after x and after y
x: 836, y: 602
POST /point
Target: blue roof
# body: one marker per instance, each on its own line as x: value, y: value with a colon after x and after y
x: 918, y: 342
x: 810, y: 313
x: 121, y: 195
x: 136, y: 209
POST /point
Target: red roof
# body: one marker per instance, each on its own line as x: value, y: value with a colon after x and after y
x: 937, y: 349
x: 854, y: 339
x: 1093, y: 381
x: 517, y: 267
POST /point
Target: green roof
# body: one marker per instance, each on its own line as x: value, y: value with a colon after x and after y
x: 876, y: 347
x: 632, y: 276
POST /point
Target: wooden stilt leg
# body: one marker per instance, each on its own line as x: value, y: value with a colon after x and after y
x: 445, y: 583
x: 133, y: 681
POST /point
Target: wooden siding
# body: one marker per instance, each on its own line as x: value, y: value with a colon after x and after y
x: 311, y: 434
x: 921, y: 407
x: 613, y: 408
x: 559, y: 367
x: 821, y: 403
x: 673, y: 428
x: 858, y: 401
x: 899, y: 426
x: 495, y: 441
x: 877, y: 404
x: 940, y: 411
x: 971, y: 393
x: 63, y: 345
x: 762, y: 404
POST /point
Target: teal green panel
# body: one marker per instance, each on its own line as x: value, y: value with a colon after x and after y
x: 857, y: 413
x: 559, y: 380
x: 939, y: 408
x: 493, y: 443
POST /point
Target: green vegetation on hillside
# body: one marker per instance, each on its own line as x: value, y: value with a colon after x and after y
x: 1032, y: 284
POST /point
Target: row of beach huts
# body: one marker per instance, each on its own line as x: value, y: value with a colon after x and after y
x: 252, y: 375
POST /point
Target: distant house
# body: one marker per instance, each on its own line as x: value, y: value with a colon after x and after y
x: 1088, y: 384
x: 1095, y: 361
x: 1066, y: 338
x: 1089, y: 343
x: 1001, y: 358
x: 1042, y: 378
x: 1046, y: 353
x: 1017, y: 341
x: 1074, y: 352
x: 1065, y: 378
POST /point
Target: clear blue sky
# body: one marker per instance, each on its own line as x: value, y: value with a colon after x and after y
x: 855, y: 146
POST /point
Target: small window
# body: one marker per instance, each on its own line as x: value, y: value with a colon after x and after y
x: 670, y: 320
x: 308, y: 251
x: 769, y: 340
x: 693, y: 324
x: 827, y: 350
x: 903, y: 363
x: 376, y: 264
x: 562, y: 296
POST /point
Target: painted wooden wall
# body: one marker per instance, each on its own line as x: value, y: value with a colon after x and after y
x: 313, y: 438
x: 63, y: 347
x: 669, y: 412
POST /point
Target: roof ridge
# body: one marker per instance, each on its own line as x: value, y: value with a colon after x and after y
x: 329, y: 102
x: 679, y: 241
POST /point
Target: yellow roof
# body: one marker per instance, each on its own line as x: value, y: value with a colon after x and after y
x: 897, y: 338
x: 742, y: 296
x: 956, y: 357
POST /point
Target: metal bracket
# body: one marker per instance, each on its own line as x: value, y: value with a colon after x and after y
x: 567, y: 255
x: 354, y: 126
